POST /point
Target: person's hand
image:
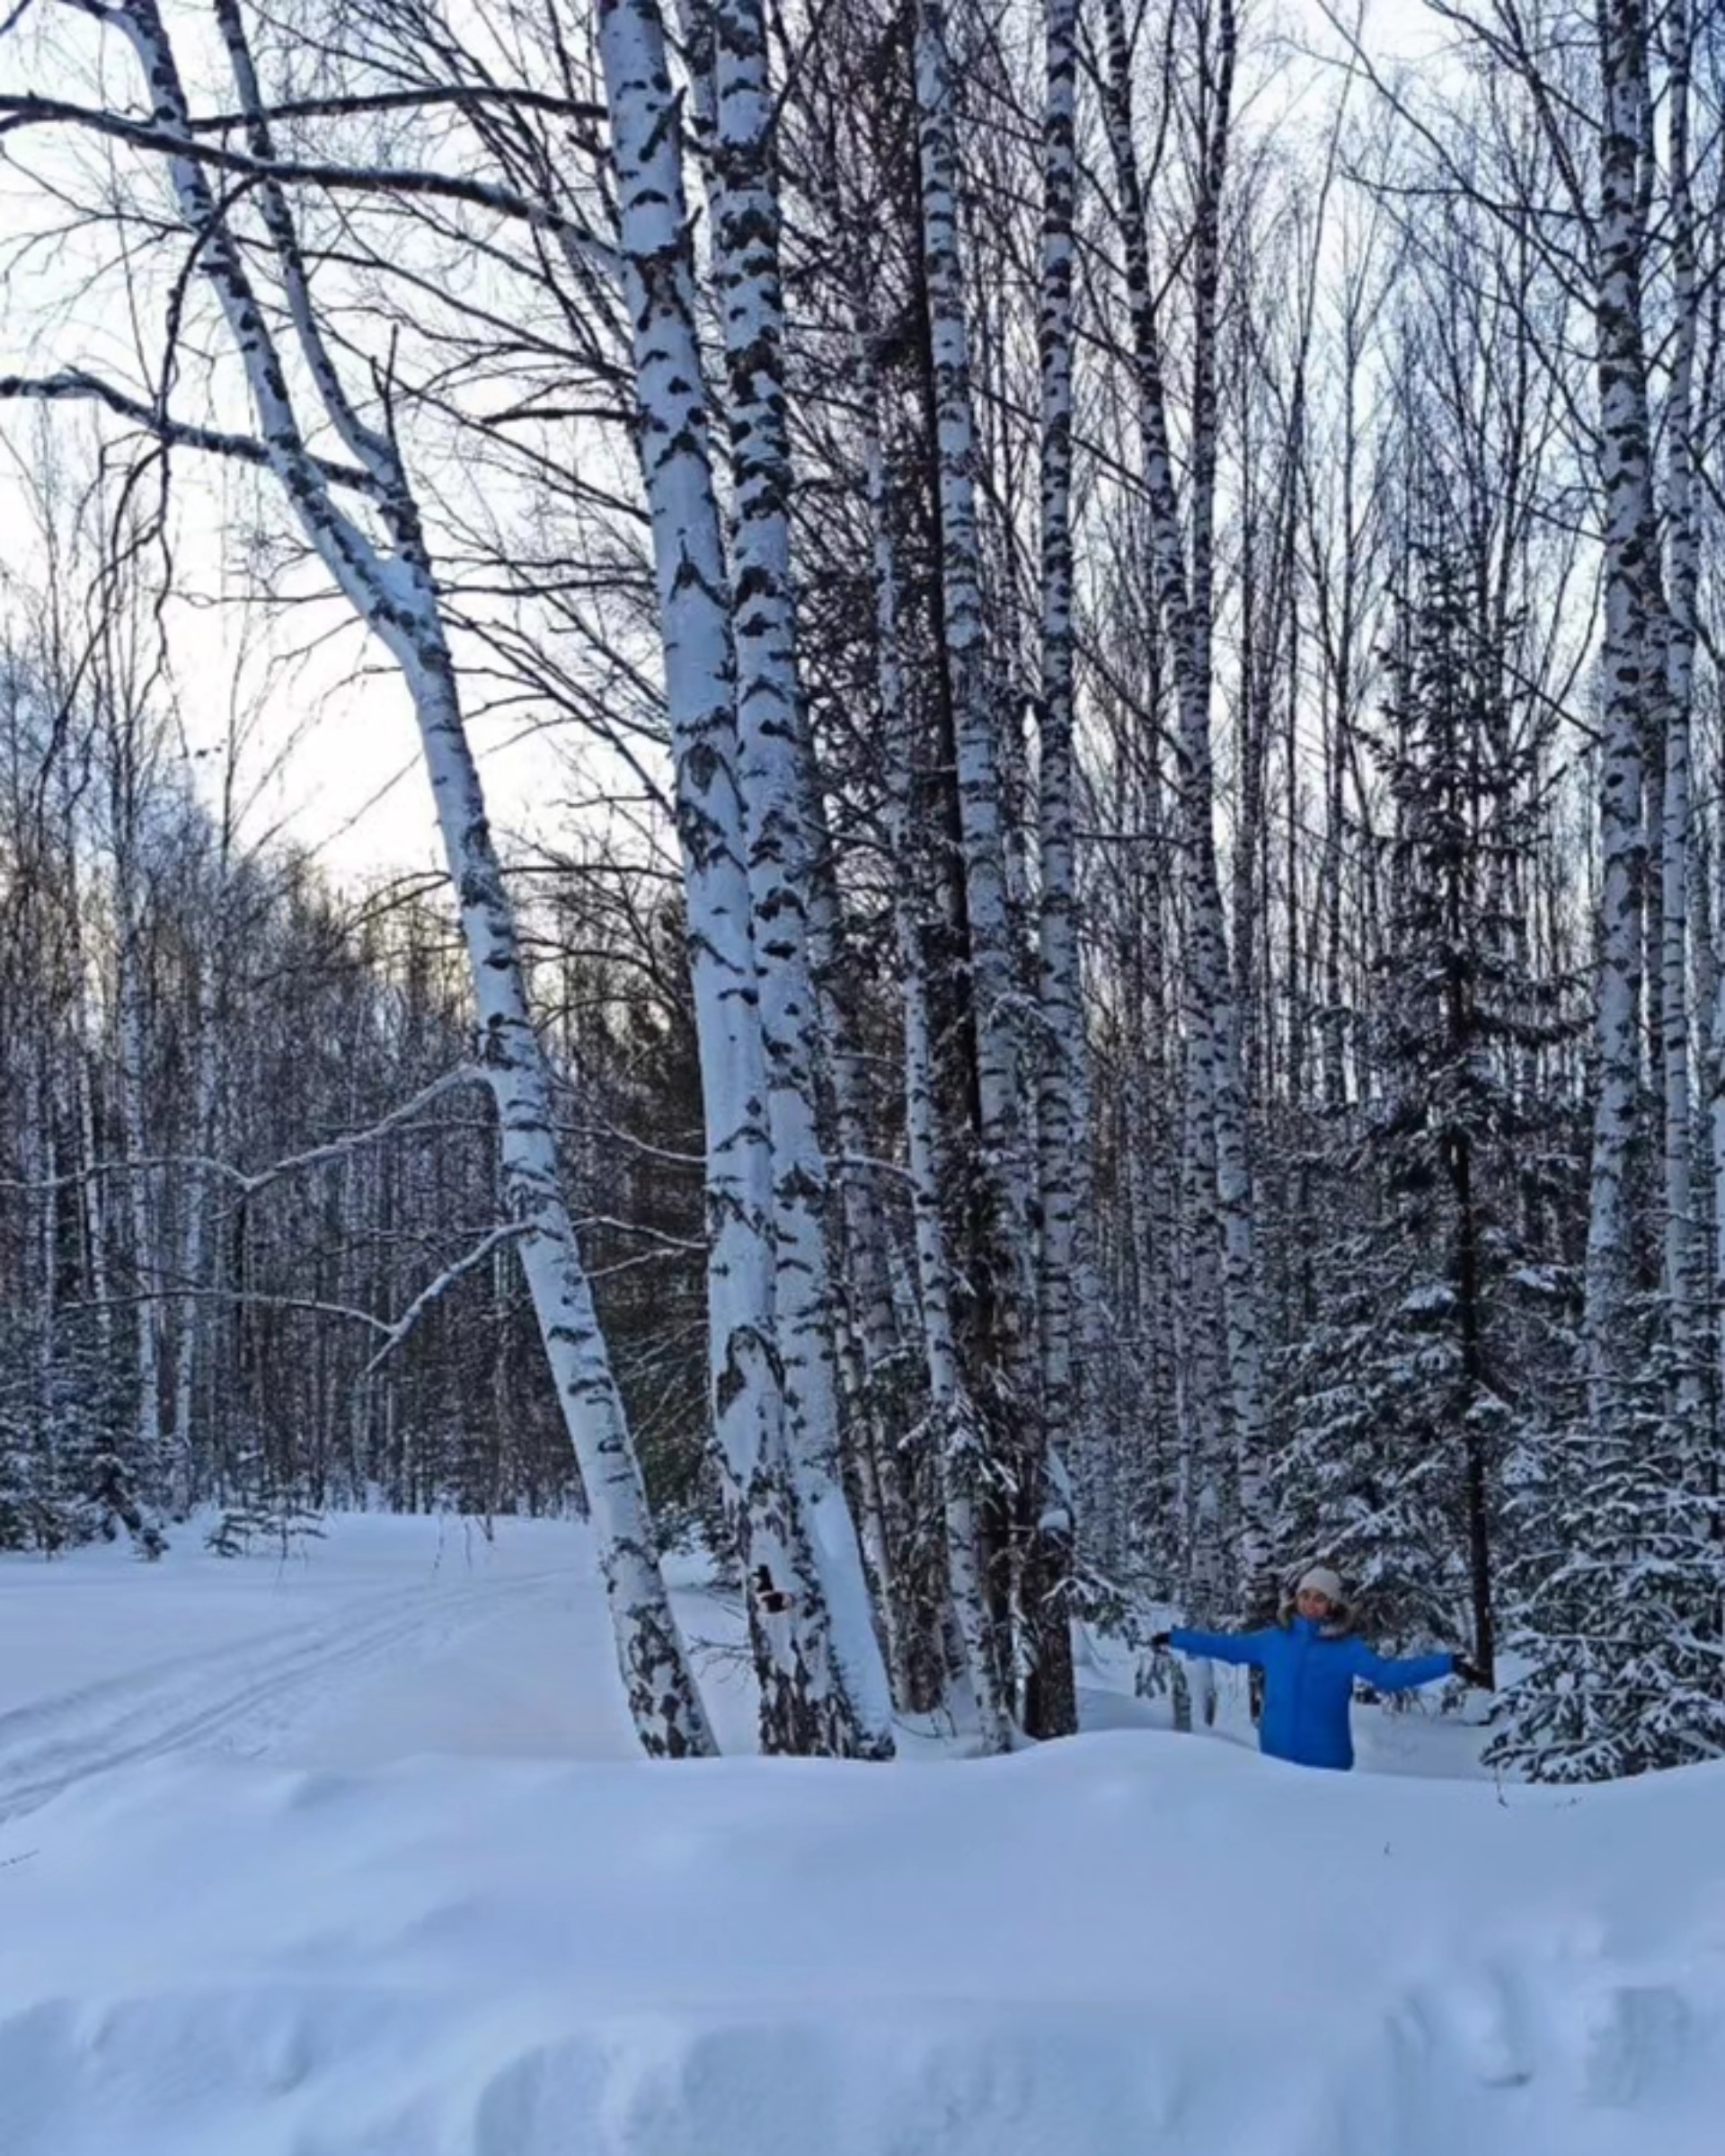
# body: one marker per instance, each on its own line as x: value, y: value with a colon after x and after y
x: 1469, y: 1674
x: 1162, y: 1641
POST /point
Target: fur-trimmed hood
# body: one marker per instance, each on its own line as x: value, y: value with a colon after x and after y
x: 1339, y: 1623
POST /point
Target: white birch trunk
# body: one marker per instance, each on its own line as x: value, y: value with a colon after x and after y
x: 92, y: 1194
x: 778, y: 783
x: 1061, y: 1077
x: 1624, y: 458
x: 1682, y: 587
x: 806, y: 1703
x: 1001, y: 1261
x: 993, y: 986
x: 94, y: 1208
x: 395, y: 594
x: 878, y: 1340
x: 37, y: 1158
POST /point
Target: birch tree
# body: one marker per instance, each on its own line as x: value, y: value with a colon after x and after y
x: 780, y: 789
x: 1006, y: 1289
x: 806, y: 1703
x: 393, y: 586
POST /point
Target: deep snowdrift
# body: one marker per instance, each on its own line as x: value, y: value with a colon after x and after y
x: 1132, y: 1943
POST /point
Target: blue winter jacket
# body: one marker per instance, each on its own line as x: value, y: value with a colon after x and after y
x: 1309, y: 1677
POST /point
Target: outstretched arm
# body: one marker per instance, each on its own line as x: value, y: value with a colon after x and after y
x: 1406, y: 1675
x: 1245, y: 1648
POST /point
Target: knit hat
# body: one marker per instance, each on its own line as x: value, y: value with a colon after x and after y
x: 1322, y: 1580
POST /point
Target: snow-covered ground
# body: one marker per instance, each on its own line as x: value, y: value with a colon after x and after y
x: 352, y: 1857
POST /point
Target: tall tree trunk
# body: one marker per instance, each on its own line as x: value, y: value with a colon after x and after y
x: 1001, y: 1274
x: 1625, y: 457
x: 779, y: 786
x: 206, y: 1067
x: 1218, y: 1167
x: 1682, y: 587
x: 131, y: 1078
x: 806, y: 1703
x: 953, y: 1414
x: 1061, y: 1078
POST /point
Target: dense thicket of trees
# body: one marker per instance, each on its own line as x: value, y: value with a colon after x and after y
x: 256, y: 1251
x: 1161, y: 1017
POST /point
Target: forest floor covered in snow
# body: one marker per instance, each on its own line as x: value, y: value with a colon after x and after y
x: 351, y: 1856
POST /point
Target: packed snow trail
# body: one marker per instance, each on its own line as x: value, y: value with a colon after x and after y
x: 243, y: 1695
x: 1132, y: 1944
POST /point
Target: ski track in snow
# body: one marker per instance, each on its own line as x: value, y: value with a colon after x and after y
x: 244, y: 1694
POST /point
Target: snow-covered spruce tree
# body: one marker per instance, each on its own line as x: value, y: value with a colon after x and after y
x: 1410, y: 1393
x: 1623, y: 1618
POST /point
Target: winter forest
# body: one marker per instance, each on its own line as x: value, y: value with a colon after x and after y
x: 1125, y: 990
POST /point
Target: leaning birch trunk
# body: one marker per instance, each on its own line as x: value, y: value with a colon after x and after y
x: 953, y: 1416
x: 1061, y: 1077
x: 1624, y: 459
x: 1003, y: 1275
x: 778, y: 783
x: 1217, y: 1104
x: 1682, y: 587
x: 805, y: 1705
x: 395, y: 594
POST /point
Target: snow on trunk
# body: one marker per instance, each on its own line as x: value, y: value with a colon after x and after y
x: 395, y: 594
x: 778, y: 783
x: 805, y: 1702
x: 993, y: 985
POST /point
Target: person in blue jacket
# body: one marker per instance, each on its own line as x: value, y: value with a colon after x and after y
x: 1310, y: 1665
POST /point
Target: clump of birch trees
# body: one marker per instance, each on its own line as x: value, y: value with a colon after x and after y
x: 1159, y: 1016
